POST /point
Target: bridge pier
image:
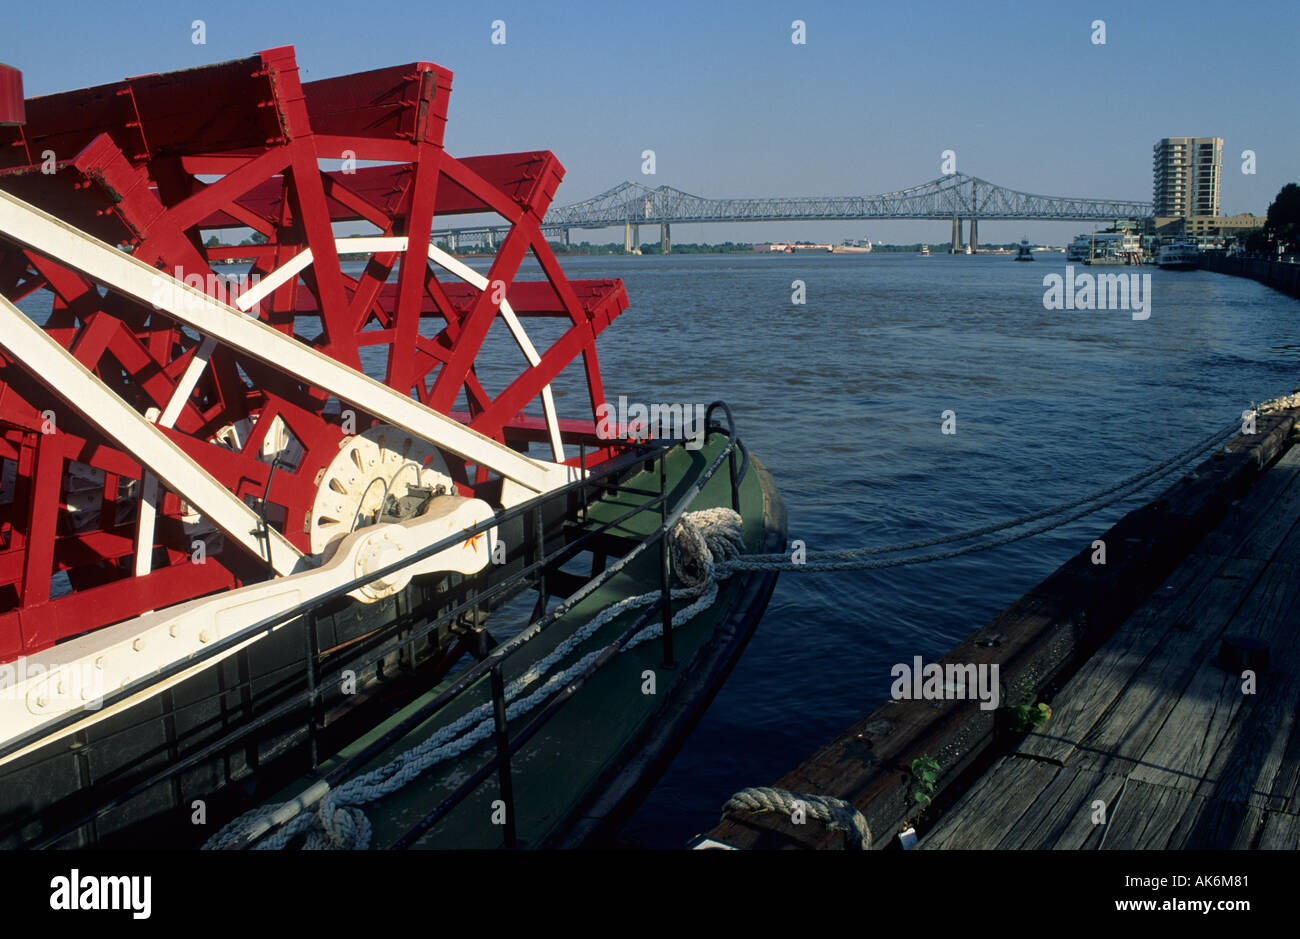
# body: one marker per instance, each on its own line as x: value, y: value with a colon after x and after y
x: 636, y: 238
x: 451, y: 241
x: 665, y: 239
x: 489, y: 239
x: 955, y: 247
x: 564, y: 237
x: 627, y: 237
x: 974, y: 236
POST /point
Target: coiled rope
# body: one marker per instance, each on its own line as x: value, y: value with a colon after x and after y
x: 835, y: 814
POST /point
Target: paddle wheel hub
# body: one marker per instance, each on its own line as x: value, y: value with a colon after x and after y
x: 369, y: 479
x: 163, y: 435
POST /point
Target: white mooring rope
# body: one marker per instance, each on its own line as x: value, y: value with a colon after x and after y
x: 835, y: 814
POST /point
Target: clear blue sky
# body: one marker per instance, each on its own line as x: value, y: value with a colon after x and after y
x: 733, y: 108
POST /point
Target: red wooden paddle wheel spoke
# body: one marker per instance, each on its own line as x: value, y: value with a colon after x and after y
x: 173, y: 168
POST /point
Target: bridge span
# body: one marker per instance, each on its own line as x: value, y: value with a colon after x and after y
x: 957, y: 197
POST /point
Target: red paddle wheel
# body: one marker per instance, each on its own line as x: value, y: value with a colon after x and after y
x: 162, y: 166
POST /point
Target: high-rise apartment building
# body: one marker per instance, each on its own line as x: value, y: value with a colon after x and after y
x: 1186, y: 171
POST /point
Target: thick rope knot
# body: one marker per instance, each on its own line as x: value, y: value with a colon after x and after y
x: 835, y: 814
x: 701, y: 541
x: 342, y: 828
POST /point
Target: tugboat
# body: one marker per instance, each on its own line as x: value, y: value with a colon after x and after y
x: 1023, y: 252
x: 279, y: 537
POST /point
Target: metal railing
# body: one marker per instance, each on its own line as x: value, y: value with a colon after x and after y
x: 506, y: 745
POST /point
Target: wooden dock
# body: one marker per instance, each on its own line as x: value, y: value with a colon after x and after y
x: 1157, y: 732
x: 1147, y: 727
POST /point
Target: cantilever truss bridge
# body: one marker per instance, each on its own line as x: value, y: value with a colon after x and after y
x: 954, y: 197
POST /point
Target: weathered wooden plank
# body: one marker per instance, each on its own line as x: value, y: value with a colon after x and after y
x: 1182, y: 753
x: 1088, y: 697
x: 984, y: 815
x: 1252, y: 758
x: 1056, y: 803
x: 1142, y: 816
x: 1285, y: 788
x: 1071, y: 826
x: 1256, y: 526
x: 1290, y: 547
x: 1281, y: 832
x: 1216, y: 825
x: 1124, y: 733
x: 1258, y: 751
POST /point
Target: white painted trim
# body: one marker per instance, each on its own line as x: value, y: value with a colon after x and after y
x: 148, y: 512
x: 82, y: 391
x: 108, y: 659
x: 254, y: 295
x: 51, y: 236
x: 185, y: 387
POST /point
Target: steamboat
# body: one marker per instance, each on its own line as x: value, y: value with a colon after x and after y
x: 277, y: 569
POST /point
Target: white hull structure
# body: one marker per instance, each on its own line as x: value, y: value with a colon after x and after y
x: 1180, y: 256
x: 1110, y: 247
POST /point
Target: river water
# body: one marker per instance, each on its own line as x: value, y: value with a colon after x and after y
x: 842, y: 398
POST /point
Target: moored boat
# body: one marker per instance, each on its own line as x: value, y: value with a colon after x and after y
x: 265, y: 535
x: 1180, y: 256
x: 1111, y: 247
